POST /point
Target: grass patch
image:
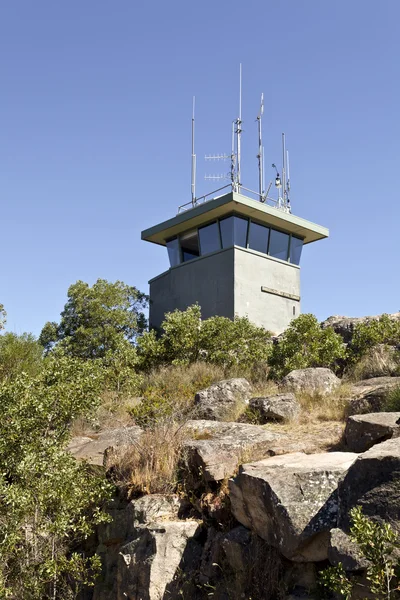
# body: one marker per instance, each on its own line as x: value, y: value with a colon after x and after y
x: 392, y: 403
x: 379, y: 361
x: 331, y: 407
x: 150, y: 465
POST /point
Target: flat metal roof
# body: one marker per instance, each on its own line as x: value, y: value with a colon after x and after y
x: 234, y: 202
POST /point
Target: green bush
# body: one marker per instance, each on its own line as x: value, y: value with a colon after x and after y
x: 18, y: 354
x: 371, y: 333
x: 186, y: 339
x: 305, y: 344
x: 380, y: 545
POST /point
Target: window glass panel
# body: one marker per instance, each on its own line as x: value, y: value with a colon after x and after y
x: 258, y: 237
x: 278, y: 244
x: 209, y: 238
x: 173, y: 252
x: 189, y: 245
x: 296, y: 246
x: 234, y: 232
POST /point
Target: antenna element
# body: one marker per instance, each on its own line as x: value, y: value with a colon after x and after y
x: 193, y: 159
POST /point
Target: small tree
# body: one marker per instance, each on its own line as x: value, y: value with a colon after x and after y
x: 95, y: 319
x: 370, y: 333
x: 19, y: 353
x: 305, y: 344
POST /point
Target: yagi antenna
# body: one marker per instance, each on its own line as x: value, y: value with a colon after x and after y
x: 193, y: 159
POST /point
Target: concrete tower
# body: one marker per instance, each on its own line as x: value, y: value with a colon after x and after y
x: 234, y: 256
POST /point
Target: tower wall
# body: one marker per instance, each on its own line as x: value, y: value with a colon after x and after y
x: 228, y: 282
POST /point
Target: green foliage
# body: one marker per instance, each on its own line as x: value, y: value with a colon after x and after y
x: 48, y: 501
x: 378, y: 543
x: 3, y: 317
x: 371, y: 333
x: 119, y: 366
x: 19, y: 353
x: 186, y: 339
x: 305, y: 344
x: 95, y: 319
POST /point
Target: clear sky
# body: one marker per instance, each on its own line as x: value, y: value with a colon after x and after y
x: 95, y: 110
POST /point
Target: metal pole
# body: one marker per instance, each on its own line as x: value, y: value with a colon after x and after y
x: 233, y: 158
x: 283, y: 170
x: 260, y: 155
x: 239, y: 130
x: 193, y: 159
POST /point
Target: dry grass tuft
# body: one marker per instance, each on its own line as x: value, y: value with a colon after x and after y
x: 380, y: 361
x: 331, y: 407
x: 150, y: 465
x: 112, y: 413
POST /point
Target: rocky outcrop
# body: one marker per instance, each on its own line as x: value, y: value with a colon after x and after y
x: 344, y: 326
x: 224, y: 400
x: 92, y: 449
x: 363, y: 431
x: 281, y: 407
x: 370, y: 395
x: 342, y: 550
x: 317, y: 380
x: 373, y: 482
x: 218, y: 447
x: 290, y: 501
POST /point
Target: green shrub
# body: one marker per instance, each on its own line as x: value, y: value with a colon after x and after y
x: 378, y: 543
x: 392, y: 403
x: 305, y: 344
x: 371, y: 333
x: 18, y: 354
x: 186, y: 339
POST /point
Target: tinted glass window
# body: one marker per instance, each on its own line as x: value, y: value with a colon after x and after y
x: 234, y: 232
x: 296, y: 246
x: 258, y: 237
x: 173, y: 252
x: 278, y: 244
x: 209, y: 238
x: 189, y: 245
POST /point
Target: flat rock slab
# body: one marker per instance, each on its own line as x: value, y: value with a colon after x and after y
x: 290, y: 501
x: 369, y: 395
x: 373, y: 482
x: 318, y: 380
x: 280, y: 407
x: 222, y: 399
x: 92, y: 449
x: 364, y: 431
x: 218, y: 447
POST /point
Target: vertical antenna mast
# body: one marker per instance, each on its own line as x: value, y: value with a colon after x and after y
x: 239, y: 132
x: 193, y: 159
x: 260, y: 154
x: 288, y: 180
x: 284, y: 190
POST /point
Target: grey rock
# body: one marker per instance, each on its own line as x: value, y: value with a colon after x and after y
x: 373, y: 482
x: 281, y: 407
x: 92, y: 448
x: 290, y: 501
x: 219, y: 447
x: 221, y: 401
x: 370, y: 395
x: 342, y: 550
x: 344, y: 326
x: 316, y: 380
x: 363, y: 431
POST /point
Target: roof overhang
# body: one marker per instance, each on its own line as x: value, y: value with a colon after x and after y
x: 233, y: 202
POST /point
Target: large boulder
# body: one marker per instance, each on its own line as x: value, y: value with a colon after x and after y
x: 290, y: 501
x: 92, y: 448
x: 373, y: 482
x: 316, y: 380
x: 281, y: 407
x: 370, y: 395
x: 223, y: 401
x: 216, y: 447
x: 363, y: 431
x: 342, y: 550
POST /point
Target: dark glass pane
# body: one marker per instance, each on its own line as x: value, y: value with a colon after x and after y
x: 240, y: 231
x: 296, y: 246
x: 189, y: 245
x: 226, y: 226
x: 278, y: 244
x: 209, y: 238
x: 173, y: 252
x: 258, y: 237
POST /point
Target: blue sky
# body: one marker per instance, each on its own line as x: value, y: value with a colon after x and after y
x: 95, y: 110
